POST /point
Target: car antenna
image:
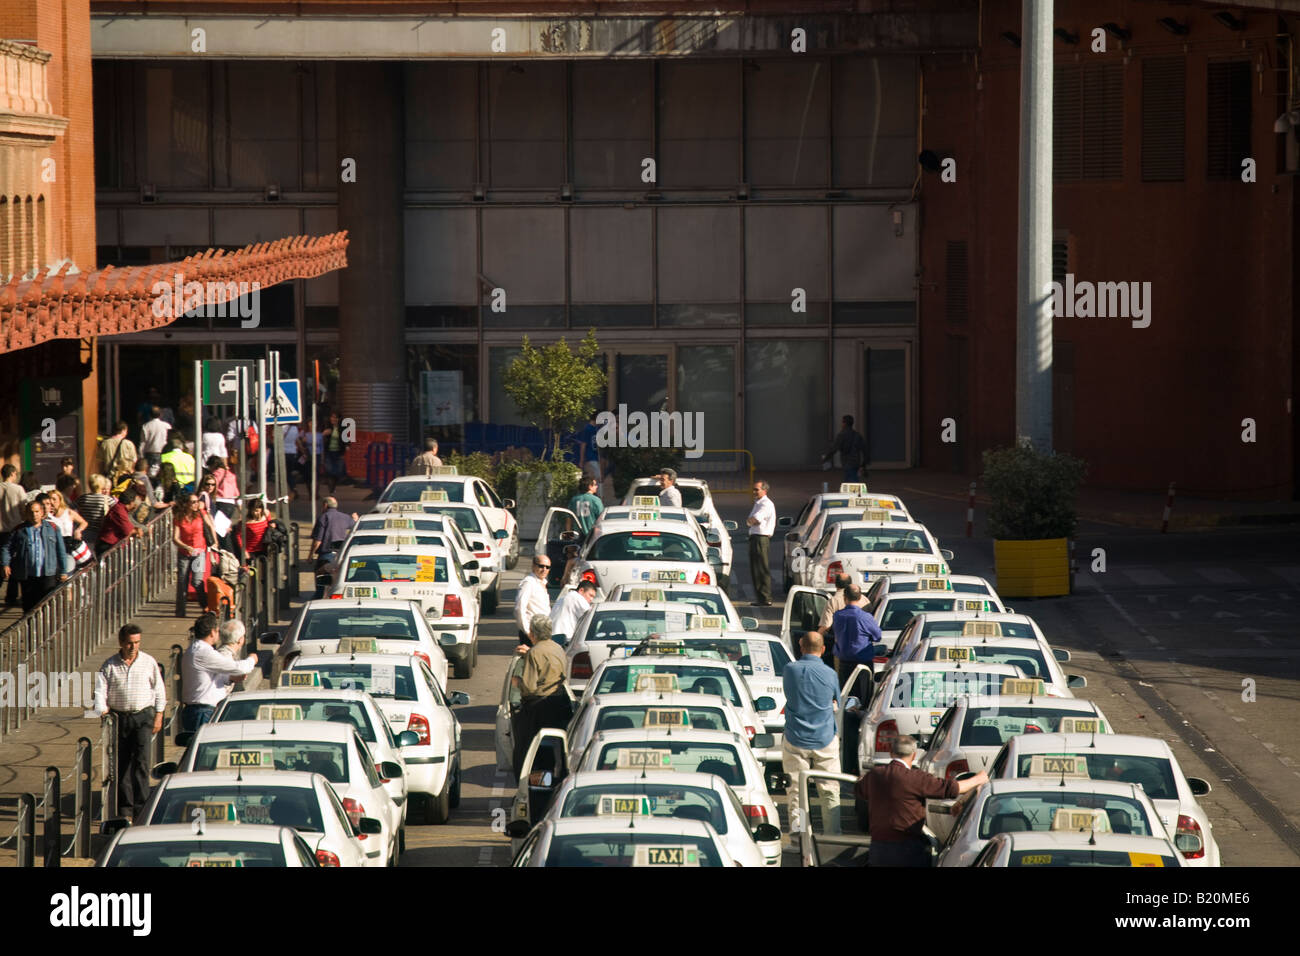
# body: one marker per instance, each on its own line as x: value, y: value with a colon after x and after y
x: 1095, y: 722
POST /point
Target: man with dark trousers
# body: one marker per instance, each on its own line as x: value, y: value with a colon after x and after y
x: 130, y: 685
x: 762, y: 523
x: 36, y: 557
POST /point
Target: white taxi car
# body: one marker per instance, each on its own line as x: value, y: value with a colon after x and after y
x: 301, y: 697
x: 1069, y: 848
x: 932, y: 624
x: 368, y: 625
x: 636, y: 797
x: 436, y: 528
x: 1039, y: 805
x: 958, y: 584
x: 1026, y: 653
x: 218, y: 844
x: 800, y: 533
x: 892, y: 611
x: 411, y: 702
x: 609, y: 624
x: 428, y: 574
x: 457, y: 488
x: 868, y: 549
x: 1147, y: 761
x: 618, y: 840
x: 973, y: 730
x: 711, y: 599
x: 698, y: 500
x: 648, y: 548
x: 304, y: 801
x: 333, y: 750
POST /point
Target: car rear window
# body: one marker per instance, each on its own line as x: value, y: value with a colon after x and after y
x: 934, y: 689
x: 620, y: 849
x: 1153, y: 773
x: 949, y: 628
x: 994, y: 726
x: 397, y: 567
x: 692, y: 679
x: 381, y: 537
x: 645, y: 546
x: 192, y: 853
x: 665, y: 799
x: 330, y: 624
x: 411, y: 490
x: 633, y: 625
x: 310, y: 756
x: 251, y: 802
x: 1029, y: 660
x: 339, y: 711
x: 379, y: 680
x: 1035, y: 810
x: 898, y: 611
x: 882, y: 539
x: 767, y: 658
x: 627, y: 717
x: 680, y: 755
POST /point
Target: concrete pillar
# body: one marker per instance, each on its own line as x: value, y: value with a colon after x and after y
x: 372, y: 307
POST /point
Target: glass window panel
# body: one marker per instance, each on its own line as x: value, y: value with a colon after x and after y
x: 612, y: 122
x: 441, y: 115
x: 263, y: 129
x: 699, y: 124
x: 525, y: 126
x: 643, y: 382
x: 177, y: 120
x: 611, y: 255
x: 785, y: 249
x: 699, y: 254
x: 501, y: 407
x: 700, y: 316
x: 875, y: 121
x: 786, y: 405
x: 787, y: 130
x: 706, y: 383
x: 886, y: 389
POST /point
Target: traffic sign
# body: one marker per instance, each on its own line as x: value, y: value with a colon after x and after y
x: 286, y: 408
x: 221, y: 380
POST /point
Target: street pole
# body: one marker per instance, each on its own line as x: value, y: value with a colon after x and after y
x: 198, y: 421
x: 261, y: 428
x: 242, y: 412
x: 1034, y: 303
x: 315, y: 396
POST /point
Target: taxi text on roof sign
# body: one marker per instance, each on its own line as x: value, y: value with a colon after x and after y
x: 233, y: 759
x: 613, y: 804
x: 1080, y: 725
x: 401, y: 539
x: 663, y: 683
x: 398, y: 524
x: 358, y: 645
x: 299, y: 679
x: 929, y: 569
x: 708, y: 622
x: 853, y: 488
x: 1081, y: 818
x: 644, y: 516
x: 406, y: 506
x: 1023, y: 687
x: 666, y: 717
x: 644, y: 758
x: 859, y: 503
x: 971, y: 606
x: 214, y: 811
x: 954, y: 654
x: 434, y: 494
x: 202, y: 859
x: 1058, y: 765
x: 666, y: 856
x: 443, y: 470
x: 645, y: 594
x: 645, y: 501
x: 875, y: 514
x: 936, y: 584
x: 981, y: 629
x: 280, y: 711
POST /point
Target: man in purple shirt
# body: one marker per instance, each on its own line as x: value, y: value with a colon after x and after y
x: 857, y: 636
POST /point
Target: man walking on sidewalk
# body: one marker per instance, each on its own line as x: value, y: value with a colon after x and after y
x: 13, y: 505
x: 130, y: 686
x: 762, y: 523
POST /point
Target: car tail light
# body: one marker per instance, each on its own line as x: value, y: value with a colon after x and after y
x: 355, y: 811
x: 749, y: 732
x: 581, y: 665
x: 886, y: 734
x: 756, y: 813
x: 335, y: 597
x: 420, y: 725
x: 424, y: 657
x: 1188, y: 830
x: 702, y: 578
x: 956, y: 767
x: 451, y: 606
x: 326, y: 858
x: 590, y: 575
x: 482, y: 554
x: 833, y: 571
x: 645, y: 534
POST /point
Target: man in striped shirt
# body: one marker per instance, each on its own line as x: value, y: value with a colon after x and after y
x: 130, y: 686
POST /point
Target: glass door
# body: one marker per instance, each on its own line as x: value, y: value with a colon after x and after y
x: 641, y: 381
x: 886, y: 394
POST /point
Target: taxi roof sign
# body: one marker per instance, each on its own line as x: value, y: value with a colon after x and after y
x: 665, y: 647
x: 708, y: 622
x: 645, y: 594
x: 971, y: 605
x: 280, y: 711
x: 643, y: 516
x: 236, y: 759
x: 1081, y: 725
x: 935, y: 584
x: 203, y: 859
x: 299, y: 679
x: 358, y: 645
x: 398, y: 523
x: 954, y: 654
x: 853, y: 488
x: 214, y: 811
x: 666, y: 717
x: 1086, y: 819
x: 663, y: 683
x: 401, y: 539
x: 875, y: 514
x: 442, y: 470
x: 1059, y: 765
x: 645, y: 501
x: 929, y: 569
x: 619, y: 804
x: 644, y: 758
x: 666, y: 856
x: 406, y: 506
x: 434, y: 494
x: 1024, y: 687
x: 981, y: 629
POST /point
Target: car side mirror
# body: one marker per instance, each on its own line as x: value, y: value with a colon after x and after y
x: 766, y: 833
x: 784, y: 522
x: 541, y: 779
x: 749, y: 623
x: 471, y: 565
x: 776, y: 780
x: 712, y: 537
x: 509, y: 503
x: 1062, y: 656
x: 457, y: 698
x: 446, y: 640
x: 764, y: 704
x: 852, y: 703
x: 478, y: 545
x: 1198, y: 786
x: 517, y: 829
x: 730, y: 525
x: 472, y: 579
x: 391, y: 769
x: 165, y: 769
x: 408, y: 738
x: 370, y: 825
x: 271, y: 637
x: 764, y: 741
x: 715, y: 556
x: 500, y: 534
x: 111, y: 826
x: 946, y: 554
x: 1075, y: 680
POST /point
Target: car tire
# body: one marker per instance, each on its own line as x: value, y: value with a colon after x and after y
x: 455, y: 785
x: 439, y: 807
x: 464, y: 668
x: 473, y: 655
x: 401, y: 838
x: 512, y: 556
x: 492, y: 598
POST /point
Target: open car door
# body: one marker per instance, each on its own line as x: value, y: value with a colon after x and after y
x: 803, y: 612
x: 855, y: 695
x: 559, y: 528
x: 510, y: 698
x: 544, y: 769
x: 829, y: 835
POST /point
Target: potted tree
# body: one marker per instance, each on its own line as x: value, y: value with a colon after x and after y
x: 1031, y: 518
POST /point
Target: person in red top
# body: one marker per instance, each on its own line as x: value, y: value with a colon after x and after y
x: 189, y: 534
x: 896, y: 795
x: 252, y: 530
x: 117, y: 525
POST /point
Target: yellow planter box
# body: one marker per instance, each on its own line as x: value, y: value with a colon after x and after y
x: 1032, y: 568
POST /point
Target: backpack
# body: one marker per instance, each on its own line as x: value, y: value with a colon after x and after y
x: 226, y: 566
x: 276, y: 537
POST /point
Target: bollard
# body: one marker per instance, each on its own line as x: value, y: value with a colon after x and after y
x: 53, y: 835
x: 158, y: 745
x: 108, y: 746
x: 26, y: 830
x: 970, y: 511
x: 81, y: 842
x: 1169, y: 506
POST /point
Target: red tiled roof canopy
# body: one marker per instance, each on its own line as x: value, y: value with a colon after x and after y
x: 113, y: 301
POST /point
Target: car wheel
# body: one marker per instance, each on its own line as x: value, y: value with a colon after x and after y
x: 491, y: 598
x: 512, y: 557
x: 440, y: 806
x: 401, y: 840
x: 473, y: 663
x: 465, y: 667
x: 455, y: 786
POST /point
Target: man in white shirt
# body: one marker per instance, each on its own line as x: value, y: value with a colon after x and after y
x: 153, y: 440
x: 131, y: 686
x: 205, y: 673
x: 669, y: 495
x: 569, y: 610
x: 531, y: 599
x: 762, y: 524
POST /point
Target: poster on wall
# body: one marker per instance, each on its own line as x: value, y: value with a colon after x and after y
x: 52, y: 426
x: 441, y: 399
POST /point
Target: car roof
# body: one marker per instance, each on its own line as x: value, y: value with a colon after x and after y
x: 1041, y: 703
x: 674, y: 826
x: 612, y: 525
x: 1131, y: 744
x: 633, y: 734
x: 404, y: 604
x: 703, y: 661
x: 417, y: 479
x: 324, y: 693
x: 1053, y: 785
x: 173, y: 832
x: 236, y: 730
x: 653, y: 698
x: 692, y: 482
x: 1126, y: 842
x: 731, y: 634
x: 230, y: 778
x: 906, y: 578
x: 378, y: 517
x: 891, y: 525
x: 909, y: 666
x: 625, y: 606
x: 968, y: 640
x: 302, y: 659
x: 925, y: 616
x: 599, y: 778
x: 361, y: 550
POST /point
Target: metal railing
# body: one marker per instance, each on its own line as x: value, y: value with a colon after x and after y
x: 52, y: 850
x: 83, y: 612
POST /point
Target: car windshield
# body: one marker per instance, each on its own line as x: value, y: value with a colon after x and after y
x: 467, y: 519
x: 251, y: 802
x: 764, y: 658
x: 692, y: 679
x: 631, y: 849
x: 922, y: 688
x: 633, y: 626
x: 685, y: 756
x: 1036, y: 809
x: 311, y: 756
x: 662, y: 800
x: 882, y: 539
x: 397, y: 567
x: 994, y: 726
x: 330, y: 624
x: 379, y: 680
x: 1030, y: 660
x: 412, y: 490
x: 1083, y: 856
x: 339, y: 711
x: 629, y: 716
x: 948, y: 628
x: 399, y: 524
x: 692, y: 495
x: 710, y: 603
x: 898, y: 611
x: 1153, y: 773
x: 645, y: 546
x: 197, y: 853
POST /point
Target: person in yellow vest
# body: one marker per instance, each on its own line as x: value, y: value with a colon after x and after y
x: 182, y: 462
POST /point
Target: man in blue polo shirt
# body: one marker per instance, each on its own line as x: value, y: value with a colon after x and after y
x: 811, y: 693
x: 857, y: 637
